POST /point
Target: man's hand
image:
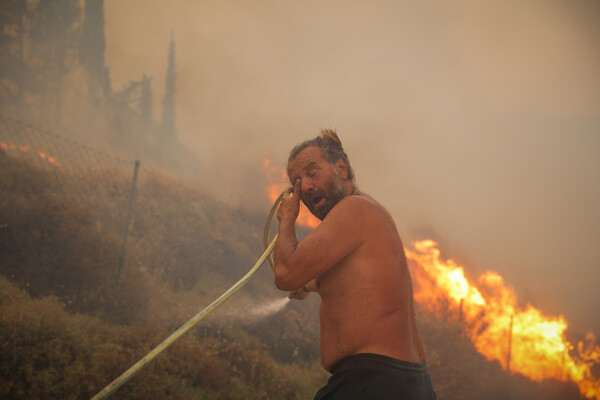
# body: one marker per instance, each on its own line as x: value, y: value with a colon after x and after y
x: 289, y: 207
x: 299, y: 294
x: 304, y: 291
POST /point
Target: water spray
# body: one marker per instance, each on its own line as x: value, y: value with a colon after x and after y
x: 135, y: 368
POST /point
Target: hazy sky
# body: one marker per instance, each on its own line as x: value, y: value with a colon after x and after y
x: 477, y: 124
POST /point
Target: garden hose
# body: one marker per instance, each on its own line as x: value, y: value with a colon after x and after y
x: 268, y: 225
x: 135, y: 368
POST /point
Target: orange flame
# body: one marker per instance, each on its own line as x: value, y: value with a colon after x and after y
x: 26, y: 149
x: 523, y: 340
x: 278, y: 178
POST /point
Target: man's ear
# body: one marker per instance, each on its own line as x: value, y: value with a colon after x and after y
x: 342, y: 168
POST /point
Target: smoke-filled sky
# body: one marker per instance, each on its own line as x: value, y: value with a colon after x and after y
x: 476, y: 123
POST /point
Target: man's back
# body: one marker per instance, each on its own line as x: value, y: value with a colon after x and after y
x: 366, y: 298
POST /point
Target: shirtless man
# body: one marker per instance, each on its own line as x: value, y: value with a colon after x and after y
x: 355, y: 261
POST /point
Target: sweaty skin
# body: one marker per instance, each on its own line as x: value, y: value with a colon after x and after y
x: 354, y: 260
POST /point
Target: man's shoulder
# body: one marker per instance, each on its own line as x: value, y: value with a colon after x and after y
x: 362, y: 201
x: 354, y: 201
x: 358, y: 205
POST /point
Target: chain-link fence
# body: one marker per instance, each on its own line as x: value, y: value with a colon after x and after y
x: 66, y: 162
x: 106, y: 183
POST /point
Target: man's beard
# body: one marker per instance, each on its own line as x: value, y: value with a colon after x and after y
x: 333, y: 193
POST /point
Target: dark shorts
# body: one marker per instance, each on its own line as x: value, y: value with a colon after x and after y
x: 377, y: 377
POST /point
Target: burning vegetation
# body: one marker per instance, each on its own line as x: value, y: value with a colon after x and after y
x: 27, y: 149
x: 522, y: 340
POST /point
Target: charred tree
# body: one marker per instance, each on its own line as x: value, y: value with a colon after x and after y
x: 91, y: 53
x: 12, y: 52
x: 145, y: 105
x: 54, y: 40
x: 168, y: 132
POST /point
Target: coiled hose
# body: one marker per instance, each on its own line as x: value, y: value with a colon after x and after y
x: 135, y: 368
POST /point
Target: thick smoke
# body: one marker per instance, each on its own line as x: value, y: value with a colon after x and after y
x: 476, y: 124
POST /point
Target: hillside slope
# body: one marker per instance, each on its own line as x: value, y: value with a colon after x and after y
x: 68, y: 328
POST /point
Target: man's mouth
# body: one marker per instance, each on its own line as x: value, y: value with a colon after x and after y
x: 318, y: 200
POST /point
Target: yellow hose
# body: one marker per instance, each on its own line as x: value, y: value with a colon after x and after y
x: 135, y: 368
x: 268, y: 224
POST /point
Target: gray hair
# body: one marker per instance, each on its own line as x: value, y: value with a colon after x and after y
x: 330, y: 145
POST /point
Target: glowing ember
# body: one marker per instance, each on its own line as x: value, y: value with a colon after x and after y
x: 522, y: 340
x: 278, y: 178
x: 27, y: 149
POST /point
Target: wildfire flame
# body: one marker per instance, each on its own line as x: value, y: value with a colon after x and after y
x: 523, y: 340
x: 278, y: 178
x: 27, y: 149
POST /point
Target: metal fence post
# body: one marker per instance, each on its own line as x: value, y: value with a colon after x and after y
x: 129, y: 218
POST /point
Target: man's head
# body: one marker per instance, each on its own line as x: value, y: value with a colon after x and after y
x: 330, y: 144
x: 325, y: 171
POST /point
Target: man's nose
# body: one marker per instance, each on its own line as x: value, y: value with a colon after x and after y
x: 307, y: 185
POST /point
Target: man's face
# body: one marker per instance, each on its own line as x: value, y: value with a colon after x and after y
x: 322, y: 186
